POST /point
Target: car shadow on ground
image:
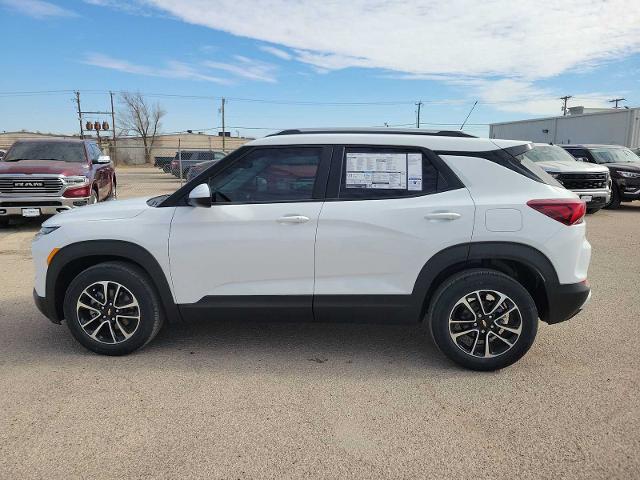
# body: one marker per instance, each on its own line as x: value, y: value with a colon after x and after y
x: 233, y: 345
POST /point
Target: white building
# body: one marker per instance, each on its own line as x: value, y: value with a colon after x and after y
x: 610, y: 126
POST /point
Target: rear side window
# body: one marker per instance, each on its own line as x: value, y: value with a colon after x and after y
x: 375, y: 173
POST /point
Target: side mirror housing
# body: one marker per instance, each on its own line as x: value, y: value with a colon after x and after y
x: 103, y: 159
x: 200, y: 196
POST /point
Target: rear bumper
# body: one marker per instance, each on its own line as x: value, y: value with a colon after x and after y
x: 565, y: 301
x: 11, y: 205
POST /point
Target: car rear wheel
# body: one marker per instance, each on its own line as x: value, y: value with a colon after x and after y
x: 112, y: 308
x: 483, y: 319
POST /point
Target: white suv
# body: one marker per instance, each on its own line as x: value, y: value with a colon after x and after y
x: 464, y: 234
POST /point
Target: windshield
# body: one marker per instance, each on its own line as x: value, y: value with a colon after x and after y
x: 614, y: 155
x: 549, y: 153
x: 60, y: 151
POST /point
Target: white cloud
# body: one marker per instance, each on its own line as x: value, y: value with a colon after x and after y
x: 37, y: 8
x: 511, y: 95
x: 173, y: 69
x: 278, y: 52
x: 245, y: 68
x: 528, y: 39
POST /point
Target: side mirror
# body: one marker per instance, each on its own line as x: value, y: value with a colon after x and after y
x: 104, y: 159
x: 200, y: 196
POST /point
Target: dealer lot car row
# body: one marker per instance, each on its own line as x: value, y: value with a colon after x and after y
x: 464, y: 234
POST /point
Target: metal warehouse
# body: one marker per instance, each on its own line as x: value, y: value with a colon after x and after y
x: 606, y: 126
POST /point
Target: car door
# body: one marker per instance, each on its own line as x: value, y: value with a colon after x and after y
x: 254, y: 248
x: 388, y: 211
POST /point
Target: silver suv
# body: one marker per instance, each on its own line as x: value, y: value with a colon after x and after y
x: 591, y: 182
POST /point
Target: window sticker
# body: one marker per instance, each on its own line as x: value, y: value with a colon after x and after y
x: 389, y: 171
x: 414, y: 171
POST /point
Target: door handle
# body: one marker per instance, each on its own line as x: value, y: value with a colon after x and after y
x: 443, y: 216
x: 293, y: 219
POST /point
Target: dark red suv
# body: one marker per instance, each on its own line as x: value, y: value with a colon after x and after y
x: 45, y: 177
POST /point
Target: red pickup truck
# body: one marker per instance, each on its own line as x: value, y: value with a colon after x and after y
x: 45, y: 177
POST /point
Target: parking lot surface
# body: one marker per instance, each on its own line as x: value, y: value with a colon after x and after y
x: 254, y: 400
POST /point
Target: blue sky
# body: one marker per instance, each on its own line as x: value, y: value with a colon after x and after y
x: 281, y: 64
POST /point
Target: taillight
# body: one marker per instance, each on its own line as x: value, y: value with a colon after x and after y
x: 78, y: 192
x: 569, y: 211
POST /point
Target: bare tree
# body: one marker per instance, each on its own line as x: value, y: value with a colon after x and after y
x: 140, y: 118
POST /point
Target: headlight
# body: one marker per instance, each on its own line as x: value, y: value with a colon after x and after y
x: 629, y: 174
x: 554, y: 174
x: 46, y: 231
x: 77, y: 180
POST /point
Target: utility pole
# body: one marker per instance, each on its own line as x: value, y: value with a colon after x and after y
x: 113, y: 129
x: 616, y: 100
x: 564, y: 106
x: 79, y: 114
x: 419, y: 105
x: 224, y: 133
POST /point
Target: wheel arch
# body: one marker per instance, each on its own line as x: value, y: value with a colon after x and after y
x: 74, y: 258
x: 527, y: 265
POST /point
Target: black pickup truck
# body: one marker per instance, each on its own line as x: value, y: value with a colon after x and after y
x: 191, y: 158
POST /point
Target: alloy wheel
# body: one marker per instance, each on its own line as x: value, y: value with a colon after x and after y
x: 108, y: 312
x: 485, y: 323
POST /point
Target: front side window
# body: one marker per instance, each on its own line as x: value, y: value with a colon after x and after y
x: 373, y: 173
x: 57, y: 151
x: 269, y: 175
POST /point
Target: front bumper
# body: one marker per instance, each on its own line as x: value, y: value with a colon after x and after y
x: 13, y: 205
x: 44, y: 307
x: 599, y: 198
x: 566, y: 301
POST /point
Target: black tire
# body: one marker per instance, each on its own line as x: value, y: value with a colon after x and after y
x: 113, y: 195
x: 615, y: 198
x: 138, y: 283
x: 462, y: 285
x: 4, y: 221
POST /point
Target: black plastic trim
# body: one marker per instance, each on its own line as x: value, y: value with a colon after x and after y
x: 107, y: 250
x: 505, y: 157
x: 296, y: 308
x: 565, y: 301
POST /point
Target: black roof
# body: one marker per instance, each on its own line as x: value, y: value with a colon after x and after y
x: 382, y: 130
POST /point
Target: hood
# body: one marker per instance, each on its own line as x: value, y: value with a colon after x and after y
x: 34, y: 167
x: 625, y: 167
x: 556, y: 166
x: 111, y: 210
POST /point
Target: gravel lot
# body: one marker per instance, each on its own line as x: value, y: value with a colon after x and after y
x: 223, y: 400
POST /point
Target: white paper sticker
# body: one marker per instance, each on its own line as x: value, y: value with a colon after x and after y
x: 414, y: 171
x: 378, y: 170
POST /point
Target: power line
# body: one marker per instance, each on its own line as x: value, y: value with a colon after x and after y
x: 564, y: 106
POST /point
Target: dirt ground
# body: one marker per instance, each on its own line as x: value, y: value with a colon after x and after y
x: 248, y: 400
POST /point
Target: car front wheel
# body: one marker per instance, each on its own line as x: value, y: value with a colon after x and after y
x: 483, y: 319
x: 112, y: 308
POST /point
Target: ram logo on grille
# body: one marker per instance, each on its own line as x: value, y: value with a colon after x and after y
x: 28, y: 184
